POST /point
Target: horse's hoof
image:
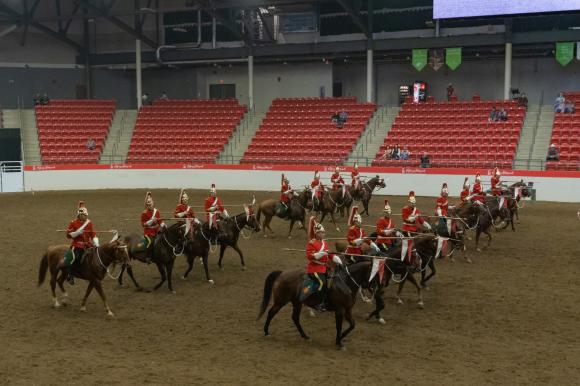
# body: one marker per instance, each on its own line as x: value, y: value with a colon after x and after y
x: 110, y: 313
x: 139, y: 289
x: 243, y: 268
x: 340, y: 347
x: 211, y: 282
x: 478, y: 249
x: 221, y: 268
x: 183, y: 277
x: 265, y: 236
x: 56, y: 305
x: 311, y: 313
x: 400, y: 301
x: 172, y: 292
x: 382, y: 321
x: 425, y: 287
x: 289, y: 237
x: 421, y: 305
x: 468, y: 260
x: 468, y: 238
x: 337, y: 229
x: 83, y: 309
x: 307, y: 338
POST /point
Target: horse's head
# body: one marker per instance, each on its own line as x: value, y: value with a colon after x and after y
x: 119, y: 251
x: 251, y: 220
x: 380, y: 182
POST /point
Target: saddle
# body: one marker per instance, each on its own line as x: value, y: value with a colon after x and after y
x: 140, y: 247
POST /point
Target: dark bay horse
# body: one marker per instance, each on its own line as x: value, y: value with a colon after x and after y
x: 168, y: 244
x: 198, y: 245
x: 93, y: 267
x: 364, y: 193
x: 285, y: 287
x: 330, y: 201
x: 296, y: 211
x: 515, y: 193
x: 230, y: 232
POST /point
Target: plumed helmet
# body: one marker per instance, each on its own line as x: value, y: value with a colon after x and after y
x: 212, y: 189
x: 148, y: 199
x: 356, y: 166
x: 477, y: 178
x: 314, y: 228
x: 444, y: 189
x: 183, y: 197
x: 496, y: 172
x: 337, y: 169
x: 387, y: 208
x: 316, y: 175
x: 354, y: 217
x: 412, y: 199
x: 466, y: 183
x: 82, y: 209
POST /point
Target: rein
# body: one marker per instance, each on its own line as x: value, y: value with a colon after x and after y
x: 242, y: 228
x: 106, y: 268
x: 173, y: 248
x: 211, y: 249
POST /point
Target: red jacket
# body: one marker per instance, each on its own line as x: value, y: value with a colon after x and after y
x: 477, y: 192
x: 354, y: 175
x: 354, y: 233
x: 285, y: 193
x: 411, y: 225
x: 316, y: 266
x: 337, y: 181
x: 495, y: 186
x: 151, y: 230
x: 442, y: 206
x: 213, y: 205
x: 85, y: 239
x: 385, y: 227
x: 464, y: 194
x: 185, y: 209
x: 317, y: 186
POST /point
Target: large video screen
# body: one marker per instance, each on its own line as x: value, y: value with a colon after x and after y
x: 449, y: 9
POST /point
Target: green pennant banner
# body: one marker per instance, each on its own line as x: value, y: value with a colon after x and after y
x: 453, y: 57
x: 564, y: 52
x: 419, y: 58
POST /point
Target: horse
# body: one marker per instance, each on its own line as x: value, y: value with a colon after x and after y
x: 329, y: 203
x: 198, y: 245
x: 285, y: 287
x: 483, y: 221
x: 296, y: 211
x: 364, y: 193
x: 516, y: 191
x: 462, y: 216
x: 168, y: 244
x: 231, y: 229
x: 93, y: 266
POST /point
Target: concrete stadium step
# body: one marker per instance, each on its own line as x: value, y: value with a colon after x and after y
x: 374, y: 135
x: 29, y: 134
x: 523, y: 151
x: 241, y: 138
x: 10, y: 119
x: 534, y: 142
x: 119, y: 139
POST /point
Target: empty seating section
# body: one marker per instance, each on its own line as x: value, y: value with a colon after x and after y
x: 300, y: 131
x: 566, y: 137
x: 65, y: 126
x: 454, y: 134
x: 184, y: 130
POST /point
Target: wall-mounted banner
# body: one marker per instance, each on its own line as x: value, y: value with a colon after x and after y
x: 419, y: 58
x: 453, y: 57
x: 436, y: 58
x: 564, y: 52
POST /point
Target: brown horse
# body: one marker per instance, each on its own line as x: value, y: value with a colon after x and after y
x: 93, y: 267
x: 363, y: 193
x: 230, y: 230
x: 296, y: 212
x: 329, y: 203
x: 285, y: 287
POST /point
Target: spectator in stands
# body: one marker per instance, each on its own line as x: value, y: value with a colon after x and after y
x: 559, y: 103
x: 335, y: 117
x: 502, y: 115
x: 425, y: 162
x: 493, y: 115
x: 405, y: 154
x: 44, y: 100
x: 145, y: 100
x: 553, y: 153
x: 36, y: 99
x: 164, y: 96
x: 523, y: 101
x: 450, y: 91
x: 569, y: 107
x: 91, y: 144
x: 396, y: 152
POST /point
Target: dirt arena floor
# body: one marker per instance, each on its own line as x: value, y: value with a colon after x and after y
x: 510, y: 317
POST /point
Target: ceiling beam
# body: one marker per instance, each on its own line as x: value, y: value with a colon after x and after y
x: 69, y: 22
x: 355, y: 16
x: 205, y: 6
x: 119, y: 23
x: 54, y: 34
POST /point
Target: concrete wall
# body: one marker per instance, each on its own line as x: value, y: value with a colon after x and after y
x: 532, y: 76
x: 428, y: 183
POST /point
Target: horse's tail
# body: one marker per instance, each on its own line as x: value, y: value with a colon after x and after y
x: 268, y: 292
x: 43, y: 269
x: 259, y: 213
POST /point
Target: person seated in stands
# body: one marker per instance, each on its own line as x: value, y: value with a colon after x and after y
x: 163, y: 96
x: 450, y: 92
x: 425, y: 162
x: 396, y: 152
x: 145, y: 100
x: 523, y: 101
x: 553, y: 153
x: 405, y: 154
x: 36, y: 99
x: 569, y: 107
x: 502, y: 115
x: 91, y: 144
x: 44, y: 100
x: 334, y: 119
x: 493, y: 115
x: 559, y: 103
x: 343, y: 116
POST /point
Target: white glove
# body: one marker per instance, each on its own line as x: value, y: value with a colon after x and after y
x: 181, y: 214
x: 427, y: 225
x: 451, y: 207
x: 212, y: 209
x: 150, y: 222
x: 195, y: 220
x: 375, y: 247
x: 439, y: 213
x: 411, y: 218
x: 387, y: 232
x: 358, y: 242
x: 226, y: 214
x: 163, y: 225
x: 75, y: 234
x: 319, y: 255
x: 96, y: 241
x: 336, y: 260
x: 399, y: 234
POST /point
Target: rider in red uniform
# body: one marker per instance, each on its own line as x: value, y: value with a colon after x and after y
x: 151, y: 222
x: 213, y: 208
x: 385, y: 229
x: 465, y: 192
x: 286, y: 194
x: 412, y: 216
x: 317, y: 190
x: 477, y: 193
x: 442, y: 210
x: 183, y: 210
x: 318, y: 259
x: 337, y: 180
x: 354, y: 175
x: 496, y: 183
x: 356, y: 235
x: 80, y: 230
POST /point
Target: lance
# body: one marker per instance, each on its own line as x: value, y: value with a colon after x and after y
x: 434, y: 216
x: 344, y: 253
x: 67, y: 231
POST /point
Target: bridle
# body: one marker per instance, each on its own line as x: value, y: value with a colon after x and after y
x: 173, y: 247
x: 106, y: 267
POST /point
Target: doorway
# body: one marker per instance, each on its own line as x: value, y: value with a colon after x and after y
x: 222, y: 91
